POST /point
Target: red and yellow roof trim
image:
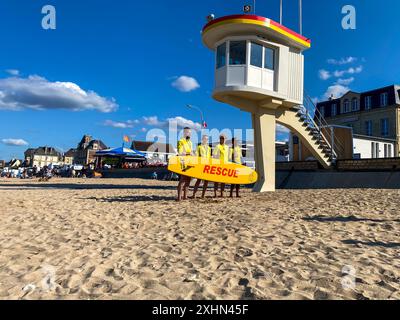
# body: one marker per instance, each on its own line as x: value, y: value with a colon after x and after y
x: 261, y: 21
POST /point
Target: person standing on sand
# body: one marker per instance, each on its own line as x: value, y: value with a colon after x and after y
x: 185, y: 148
x: 221, y: 152
x: 235, y: 157
x: 203, y: 152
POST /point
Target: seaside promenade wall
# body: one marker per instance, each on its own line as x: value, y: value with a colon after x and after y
x: 143, y: 173
x: 337, y: 180
x: 370, y: 173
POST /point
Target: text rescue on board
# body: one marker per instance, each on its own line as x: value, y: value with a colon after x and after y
x: 218, y: 171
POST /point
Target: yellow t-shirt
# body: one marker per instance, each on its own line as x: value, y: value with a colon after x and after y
x: 203, y: 151
x: 185, y: 147
x: 221, y: 152
x: 236, y: 155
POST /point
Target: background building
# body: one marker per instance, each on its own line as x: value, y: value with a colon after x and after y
x: 374, y: 113
x: 42, y: 156
x: 366, y: 147
x: 69, y: 157
x: 86, y: 150
x: 14, y: 163
x: 339, y: 137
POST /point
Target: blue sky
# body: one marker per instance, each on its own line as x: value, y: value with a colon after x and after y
x: 123, y: 57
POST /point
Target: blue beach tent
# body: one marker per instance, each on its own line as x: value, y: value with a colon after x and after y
x: 122, y: 153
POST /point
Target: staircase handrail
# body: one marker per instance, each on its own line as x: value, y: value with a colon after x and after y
x: 322, y: 123
x: 304, y: 111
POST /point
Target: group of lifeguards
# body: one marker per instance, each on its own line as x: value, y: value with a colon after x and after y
x: 222, y: 152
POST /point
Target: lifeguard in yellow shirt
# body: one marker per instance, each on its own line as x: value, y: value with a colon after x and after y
x: 221, y: 152
x: 204, y: 153
x: 235, y: 157
x: 185, y: 148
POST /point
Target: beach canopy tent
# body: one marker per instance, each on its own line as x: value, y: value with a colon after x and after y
x: 118, y: 156
x: 122, y: 152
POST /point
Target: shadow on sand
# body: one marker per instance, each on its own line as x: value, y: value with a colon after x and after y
x: 77, y: 186
x: 345, y: 219
x: 132, y: 199
x: 373, y: 243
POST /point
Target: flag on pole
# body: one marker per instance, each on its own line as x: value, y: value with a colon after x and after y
x: 127, y: 139
x: 205, y: 126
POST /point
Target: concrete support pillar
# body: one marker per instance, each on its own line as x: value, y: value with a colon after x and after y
x: 264, y: 125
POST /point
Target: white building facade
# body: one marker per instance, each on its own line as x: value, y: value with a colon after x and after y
x: 366, y: 147
x: 42, y: 156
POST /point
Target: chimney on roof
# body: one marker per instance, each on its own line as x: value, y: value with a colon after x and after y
x: 331, y: 97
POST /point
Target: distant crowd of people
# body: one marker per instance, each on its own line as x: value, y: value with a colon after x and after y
x: 47, y: 172
x: 144, y: 164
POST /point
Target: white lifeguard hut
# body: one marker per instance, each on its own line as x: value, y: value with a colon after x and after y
x: 260, y: 69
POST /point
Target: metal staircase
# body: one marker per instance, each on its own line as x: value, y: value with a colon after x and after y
x: 314, y: 123
x: 315, y: 132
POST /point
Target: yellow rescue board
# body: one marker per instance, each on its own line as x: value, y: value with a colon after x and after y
x: 212, y: 170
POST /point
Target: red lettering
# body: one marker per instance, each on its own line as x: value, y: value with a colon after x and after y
x: 220, y: 171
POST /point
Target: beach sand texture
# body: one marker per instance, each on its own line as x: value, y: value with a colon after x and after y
x: 129, y: 239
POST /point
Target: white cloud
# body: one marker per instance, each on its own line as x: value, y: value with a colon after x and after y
x: 185, y: 84
x: 121, y: 124
x: 344, y: 77
x: 182, y: 123
x: 14, y: 142
x: 324, y: 74
x: 345, y: 82
x: 152, y: 121
x: 336, y: 91
x: 341, y: 73
x: 355, y: 70
x: 178, y: 121
x: 342, y: 61
x: 13, y: 72
x: 38, y: 93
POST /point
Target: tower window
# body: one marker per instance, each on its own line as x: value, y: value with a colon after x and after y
x: 221, y: 56
x: 237, y: 53
x: 269, y: 60
x: 256, y: 55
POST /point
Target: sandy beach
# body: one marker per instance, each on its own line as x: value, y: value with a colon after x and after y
x: 129, y: 239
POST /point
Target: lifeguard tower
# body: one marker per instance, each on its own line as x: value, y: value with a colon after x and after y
x: 260, y: 69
